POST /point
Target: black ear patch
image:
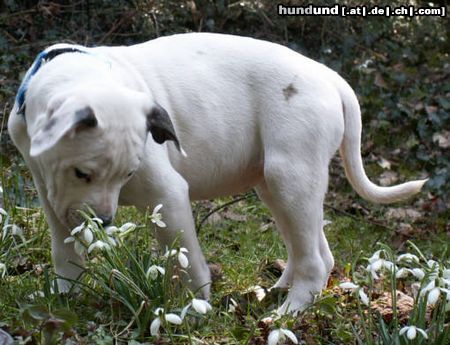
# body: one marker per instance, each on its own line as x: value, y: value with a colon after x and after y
x: 160, y: 126
x: 85, y: 117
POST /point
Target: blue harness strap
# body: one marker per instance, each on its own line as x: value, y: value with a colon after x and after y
x: 41, y: 58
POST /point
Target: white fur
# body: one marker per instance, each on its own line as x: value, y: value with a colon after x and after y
x: 248, y: 113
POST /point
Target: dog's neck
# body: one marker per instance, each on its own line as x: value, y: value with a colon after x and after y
x: 41, y: 59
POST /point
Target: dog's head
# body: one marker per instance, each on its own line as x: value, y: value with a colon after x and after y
x: 89, y: 142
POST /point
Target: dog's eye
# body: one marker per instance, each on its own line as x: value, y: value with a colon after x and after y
x: 130, y: 173
x: 82, y: 175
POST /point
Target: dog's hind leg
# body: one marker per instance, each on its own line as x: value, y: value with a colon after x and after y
x: 294, y: 192
x: 285, y: 281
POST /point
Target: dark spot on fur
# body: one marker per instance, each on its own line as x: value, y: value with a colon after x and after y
x: 199, y: 52
x: 289, y: 91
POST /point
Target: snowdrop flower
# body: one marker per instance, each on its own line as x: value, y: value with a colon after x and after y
x: 156, y: 323
x: 377, y: 265
x: 200, y: 306
x: 2, y: 213
x: 153, y: 272
x: 232, y: 306
x: 112, y: 230
x: 77, y: 229
x: 124, y: 230
x: 418, y: 273
x: 13, y: 229
x: 79, y: 234
x: 278, y: 335
x: 446, y: 274
x: 404, y: 272
x: 111, y: 241
x: 433, y: 264
x: 434, y: 292
x: 80, y: 249
x: 375, y: 256
x: 259, y: 292
x: 355, y: 289
x: 87, y: 235
x: 98, y: 245
x: 2, y: 269
x: 156, y: 217
x: 182, y: 258
x: 408, y: 258
x: 97, y: 220
x: 411, y: 332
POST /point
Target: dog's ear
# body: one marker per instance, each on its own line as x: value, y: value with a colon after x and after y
x: 161, y: 127
x: 61, y: 122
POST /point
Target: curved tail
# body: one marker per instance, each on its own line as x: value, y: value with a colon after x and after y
x: 350, y: 151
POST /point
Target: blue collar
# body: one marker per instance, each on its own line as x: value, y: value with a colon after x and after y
x: 41, y: 59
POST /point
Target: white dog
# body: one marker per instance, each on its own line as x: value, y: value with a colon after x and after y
x: 248, y: 114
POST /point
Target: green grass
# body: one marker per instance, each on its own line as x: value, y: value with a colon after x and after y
x: 241, y: 239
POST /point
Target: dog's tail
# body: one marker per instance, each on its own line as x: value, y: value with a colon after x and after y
x: 350, y: 151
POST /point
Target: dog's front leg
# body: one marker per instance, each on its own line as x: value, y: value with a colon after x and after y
x: 67, y: 263
x: 177, y: 214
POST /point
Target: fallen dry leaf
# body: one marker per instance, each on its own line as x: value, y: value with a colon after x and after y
x: 403, y: 213
x: 442, y: 139
x: 388, y: 178
x: 379, y: 81
x: 383, y: 305
x: 384, y: 163
x: 216, y: 272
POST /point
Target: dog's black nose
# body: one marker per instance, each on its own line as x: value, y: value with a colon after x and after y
x: 107, y: 220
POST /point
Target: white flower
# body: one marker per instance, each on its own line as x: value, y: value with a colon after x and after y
x: 433, y: 264
x: 182, y: 258
x: 402, y: 273
x: 377, y: 265
x: 14, y: 230
x: 446, y: 273
x: 259, y: 292
x: 79, y: 248
x: 81, y: 233
x: 69, y: 239
x: 434, y: 292
x: 153, y: 271
x: 348, y: 286
x: 88, y: 237
x: 156, y: 217
x: 278, y: 335
x: 418, y: 273
x: 97, y: 220
x: 112, y: 230
x: 375, y: 256
x: 156, y: 323
x: 2, y: 269
x: 411, y: 332
x: 200, y: 306
x: 2, y: 213
x: 77, y: 229
x: 98, y: 245
x: 111, y: 241
x: 232, y: 306
x: 407, y: 257
x: 356, y: 289
x: 127, y: 227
